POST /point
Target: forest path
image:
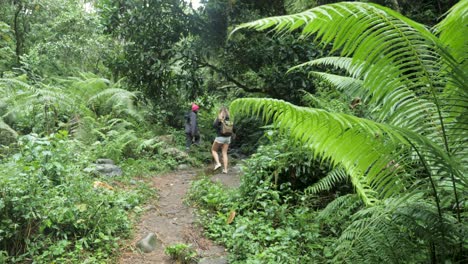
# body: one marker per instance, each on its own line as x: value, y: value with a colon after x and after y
x: 172, y: 221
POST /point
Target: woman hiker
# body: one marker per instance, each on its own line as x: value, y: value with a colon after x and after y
x: 222, y: 140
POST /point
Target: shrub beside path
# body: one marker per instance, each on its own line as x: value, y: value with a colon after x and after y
x: 172, y: 221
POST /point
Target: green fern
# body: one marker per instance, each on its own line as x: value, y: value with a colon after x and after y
x: 119, y: 100
x: 335, y: 176
x: 407, y: 236
x: 73, y: 97
x: 345, y: 202
x: 352, y: 86
x: 149, y: 144
x: 409, y: 160
x: 38, y: 104
x: 387, y: 49
x: 363, y: 147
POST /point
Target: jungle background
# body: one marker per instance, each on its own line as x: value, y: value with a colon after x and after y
x: 86, y: 80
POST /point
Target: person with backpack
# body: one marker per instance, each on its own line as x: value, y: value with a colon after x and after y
x: 224, y: 130
x: 191, y: 127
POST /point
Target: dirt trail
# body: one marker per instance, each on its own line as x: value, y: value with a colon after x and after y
x: 174, y: 222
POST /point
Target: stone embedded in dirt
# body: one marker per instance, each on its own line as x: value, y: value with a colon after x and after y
x: 216, y: 260
x: 105, y: 161
x: 148, y: 243
x: 108, y: 170
x: 150, y: 207
x: 183, y: 167
x: 104, y: 167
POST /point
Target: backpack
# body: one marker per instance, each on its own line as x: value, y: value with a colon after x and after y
x: 227, y: 128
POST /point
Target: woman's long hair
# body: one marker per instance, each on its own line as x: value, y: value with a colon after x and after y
x: 223, y: 113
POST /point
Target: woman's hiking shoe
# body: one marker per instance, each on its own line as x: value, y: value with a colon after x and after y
x: 225, y: 171
x: 217, y: 166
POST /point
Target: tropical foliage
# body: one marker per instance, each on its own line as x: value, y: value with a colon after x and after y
x: 270, y: 219
x: 52, y: 206
x: 407, y: 158
x: 362, y: 158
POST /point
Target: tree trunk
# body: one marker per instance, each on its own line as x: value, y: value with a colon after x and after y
x: 18, y: 33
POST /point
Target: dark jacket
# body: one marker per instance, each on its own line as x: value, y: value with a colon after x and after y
x: 191, y: 124
x: 217, y: 125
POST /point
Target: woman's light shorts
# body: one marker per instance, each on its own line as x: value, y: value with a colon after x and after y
x: 223, y: 140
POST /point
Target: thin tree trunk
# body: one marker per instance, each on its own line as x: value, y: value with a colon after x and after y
x: 18, y: 34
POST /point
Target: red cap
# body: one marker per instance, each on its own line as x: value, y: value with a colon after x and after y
x: 195, y: 107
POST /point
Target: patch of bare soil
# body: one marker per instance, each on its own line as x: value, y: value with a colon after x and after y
x: 172, y: 221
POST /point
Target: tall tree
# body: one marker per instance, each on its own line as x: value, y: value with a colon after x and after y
x: 148, y: 31
x: 253, y: 62
x: 15, y: 14
x: 54, y: 37
x: 257, y: 63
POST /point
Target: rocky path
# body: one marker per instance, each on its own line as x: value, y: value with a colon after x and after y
x: 174, y: 222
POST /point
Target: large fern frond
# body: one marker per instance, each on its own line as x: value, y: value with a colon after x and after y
x: 21, y: 96
x: 454, y: 102
x: 394, y: 105
x: 452, y: 32
x: 120, y: 100
x: 352, y: 86
x: 355, y: 143
x: 376, y: 156
x: 395, y: 57
x: 339, y: 208
x: 398, y: 231
x: 85, y: 85
x: 418, y: 84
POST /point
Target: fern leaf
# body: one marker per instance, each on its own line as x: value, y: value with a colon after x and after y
x: 390, y: 53
x: 328, y: 182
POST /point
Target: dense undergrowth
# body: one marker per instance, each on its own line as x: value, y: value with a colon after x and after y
x: 370, y: 172
x: 402, y: 150
x: 262, y: 222
x: 292, y: 209
x: 271, y: 218
x: 54, y: 206
x: 50, y: 210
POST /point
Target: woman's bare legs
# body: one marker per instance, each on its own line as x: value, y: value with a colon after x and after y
x: 214, y: 152
x: 225, y: 156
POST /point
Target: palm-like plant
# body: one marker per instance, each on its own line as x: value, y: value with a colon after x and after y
x: 414, y: 79
x: 71, y: 97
